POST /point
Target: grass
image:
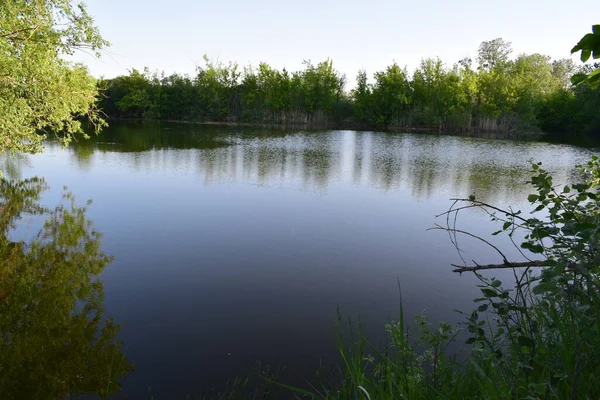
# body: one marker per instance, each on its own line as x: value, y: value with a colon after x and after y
x: 549, y: 350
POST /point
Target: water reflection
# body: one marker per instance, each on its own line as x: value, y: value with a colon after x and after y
x: 424, y: 165
x: 55, y: 340
x: 237, y: 244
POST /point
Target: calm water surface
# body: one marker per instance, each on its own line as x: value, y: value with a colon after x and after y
x: 234, y: 245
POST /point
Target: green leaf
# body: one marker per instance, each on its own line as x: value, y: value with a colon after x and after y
x: 594, y: 78
x: 544, y: 287
x: 489, y: 292
x: 506, y: 225
x: 532, y: 198
x: 585, y: 54
x: 534, y: 248
x: 496, y: 283
x: 525, y: 341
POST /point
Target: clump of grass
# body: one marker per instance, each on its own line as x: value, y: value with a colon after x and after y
x: 548, y: 350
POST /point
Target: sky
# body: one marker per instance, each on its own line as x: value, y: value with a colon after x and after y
x: 172, y: 36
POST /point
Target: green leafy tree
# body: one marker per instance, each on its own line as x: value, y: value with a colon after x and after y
x: 216, y: 83
x: 40, y: 92
x: 439, y: 97
x: 391, y: 95
x: 563, y: 70
x: 136, y: 99
x: 362, y: 97
x: 493, y: 53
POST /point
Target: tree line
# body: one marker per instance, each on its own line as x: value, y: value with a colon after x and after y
x: 224, y: 92
x: 493, y: 93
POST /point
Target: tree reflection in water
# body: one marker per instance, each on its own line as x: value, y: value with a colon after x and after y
x: 55, y: 340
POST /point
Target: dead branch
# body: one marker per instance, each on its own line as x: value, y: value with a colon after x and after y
x: 524, y: 264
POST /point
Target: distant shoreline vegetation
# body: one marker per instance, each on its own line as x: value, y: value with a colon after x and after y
x: 529, y: 93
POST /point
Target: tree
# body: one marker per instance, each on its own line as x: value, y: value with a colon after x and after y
x: 562, y: 70
x: 391, y: 94
x: 40, y: 92
x: 493, y: 53
x: 363, y: 98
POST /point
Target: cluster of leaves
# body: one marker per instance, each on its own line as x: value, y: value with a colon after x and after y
x: 222, y: 92
x: 40, y: 92
x: 589, y: 45
x: 54, y: 339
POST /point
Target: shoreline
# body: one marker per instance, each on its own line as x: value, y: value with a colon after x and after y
x: 352, y: 126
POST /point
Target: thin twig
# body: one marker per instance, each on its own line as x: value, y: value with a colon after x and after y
x: 473, y: 236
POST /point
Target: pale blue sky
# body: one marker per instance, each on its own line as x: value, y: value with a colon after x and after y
x: 173, y: 35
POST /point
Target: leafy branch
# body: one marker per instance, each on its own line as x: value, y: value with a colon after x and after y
x: 589, y: 46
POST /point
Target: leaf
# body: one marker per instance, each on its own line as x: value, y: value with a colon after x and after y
x: 581, y: 226
x: 544, y: 287
x: 506, y: 225
x: 532, y: 198
x: 534, y: 248
x: 594, y: 78
x: 525, y: 341
x: 537, y: 249
x: 496, y: 283
x: 489, y: 292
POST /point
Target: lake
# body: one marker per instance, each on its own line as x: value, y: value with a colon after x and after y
x: 234, y: 245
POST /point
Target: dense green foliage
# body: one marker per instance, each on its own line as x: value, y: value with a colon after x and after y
x: 55, y: 341
x: 222, y: 92
x: 40, y: 92
x: 527, y: 93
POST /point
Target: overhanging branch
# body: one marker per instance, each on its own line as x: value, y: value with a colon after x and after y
x: 524, y: 264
